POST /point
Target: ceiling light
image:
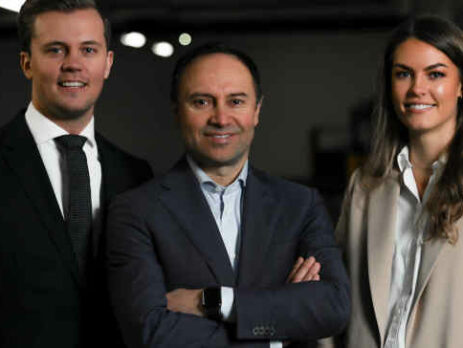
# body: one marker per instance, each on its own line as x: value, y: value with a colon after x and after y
x: 133, y: 39
x: 184, y: 39
x: 163, y: 49
x: 12, y: 5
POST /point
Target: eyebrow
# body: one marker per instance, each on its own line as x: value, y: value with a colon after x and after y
x: 239, y: 94
x: 61, y: 43
x: 198, y: 94
x: 430, y: 67
x: 207, y: 95
x: 92, y: 42
x: 54, y: 43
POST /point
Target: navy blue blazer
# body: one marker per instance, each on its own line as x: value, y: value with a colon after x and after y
x: 162, y: 236
x: 42, y: 301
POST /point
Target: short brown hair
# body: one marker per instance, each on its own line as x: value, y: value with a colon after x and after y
x: 31, y: 8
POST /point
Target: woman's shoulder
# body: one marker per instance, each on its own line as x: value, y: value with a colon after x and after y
x: 361, y: 184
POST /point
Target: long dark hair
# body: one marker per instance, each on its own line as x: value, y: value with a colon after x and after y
x: 445, y: 205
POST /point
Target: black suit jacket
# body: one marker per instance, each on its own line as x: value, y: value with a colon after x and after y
x: 162, y: 236
x: 42, y: 302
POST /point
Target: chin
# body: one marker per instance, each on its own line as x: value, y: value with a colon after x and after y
x: 210, y: 160
x: 71, y: 113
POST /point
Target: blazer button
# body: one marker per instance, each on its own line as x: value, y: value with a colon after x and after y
x: 255, y: 331
x: 272, y: 331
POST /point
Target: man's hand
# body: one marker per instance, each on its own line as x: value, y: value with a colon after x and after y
x: 185, y: 301
x: 304, y: 270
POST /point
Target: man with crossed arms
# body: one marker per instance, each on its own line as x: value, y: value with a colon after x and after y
x: 217, y: 253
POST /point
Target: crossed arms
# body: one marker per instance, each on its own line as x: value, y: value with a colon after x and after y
x: 149, y: 260
x: 189, y: 301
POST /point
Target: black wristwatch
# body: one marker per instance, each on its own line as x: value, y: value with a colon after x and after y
x: 212, y: 302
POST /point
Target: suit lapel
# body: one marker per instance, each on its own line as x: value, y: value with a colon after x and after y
x: 382, y: 211
x: 184, y: 199
x: 109, y: 171
x: 109, y: 185
x: 22, y: 156
x: 430, y: 253
x: 257, y: 228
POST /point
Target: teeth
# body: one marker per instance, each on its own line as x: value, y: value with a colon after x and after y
x: 221, y: 136
x: 419, y: 106
x: 72, y: 84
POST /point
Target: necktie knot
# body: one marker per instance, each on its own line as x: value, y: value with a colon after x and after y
x: 71, y: 141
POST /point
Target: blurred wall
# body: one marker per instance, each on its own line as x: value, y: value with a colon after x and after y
x: 310, y: 78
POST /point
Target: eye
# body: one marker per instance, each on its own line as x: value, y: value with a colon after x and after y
x: 401, y: 74
x: 90, y: 50
x: 200, y: 103
x: 54, y: 50
x: 237, y: 101
x: 434, y: 75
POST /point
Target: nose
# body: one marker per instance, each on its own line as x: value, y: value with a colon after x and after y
x: 219, y: 117
x: 418, y: 85
x: 71, y: 62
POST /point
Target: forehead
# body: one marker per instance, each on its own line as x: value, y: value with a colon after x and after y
x: 419, y: 54
x: 73, y: 26
x: 217, y: 71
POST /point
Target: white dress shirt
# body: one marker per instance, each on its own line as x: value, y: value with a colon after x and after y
x: 410, y: 227
x: 225, y: 203
x: 44, y: 131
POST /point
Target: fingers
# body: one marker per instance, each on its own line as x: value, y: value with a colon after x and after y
x: 305, y: 270
x: 296, y: 266
x: 312, y: 272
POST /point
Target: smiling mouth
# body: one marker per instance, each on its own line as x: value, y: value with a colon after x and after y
x: 419, y: 106
x: 218, y: 135
x: 72, y: 84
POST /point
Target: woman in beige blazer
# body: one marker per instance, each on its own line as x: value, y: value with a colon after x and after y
x: 401, y: 221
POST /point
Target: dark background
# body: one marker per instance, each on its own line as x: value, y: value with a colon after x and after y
x: 318, y: 60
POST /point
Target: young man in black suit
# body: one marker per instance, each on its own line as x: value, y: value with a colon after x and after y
x: 53, y: 196
x: 217, y: 253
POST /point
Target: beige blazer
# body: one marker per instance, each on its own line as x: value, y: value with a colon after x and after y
x: 366, y: 233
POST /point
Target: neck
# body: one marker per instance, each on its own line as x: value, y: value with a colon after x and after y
x: 72, y: 126
x: 224, y: 175
x: 71, y: 123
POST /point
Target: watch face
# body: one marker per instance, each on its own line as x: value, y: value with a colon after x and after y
x: 212, y: 301
x: 212, y: 297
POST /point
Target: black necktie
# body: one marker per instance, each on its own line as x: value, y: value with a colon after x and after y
x: 79, y: 212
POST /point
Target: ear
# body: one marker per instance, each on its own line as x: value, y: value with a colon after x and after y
x: 257, y: 111
x: 25, y: 62
x: 109, y: 63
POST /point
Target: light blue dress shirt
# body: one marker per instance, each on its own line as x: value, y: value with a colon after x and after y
x: 226, y: 204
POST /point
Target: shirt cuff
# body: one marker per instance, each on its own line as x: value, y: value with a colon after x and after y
x: 228, y: 301
x: 276, y: 344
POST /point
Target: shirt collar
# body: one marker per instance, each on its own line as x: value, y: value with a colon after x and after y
x: 44, y: 130
x: 403, y: 160
x: 206, y: 182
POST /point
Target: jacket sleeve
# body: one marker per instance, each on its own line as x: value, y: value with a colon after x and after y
x: 306, y: 310
x: 341, y: 235
x: 137, y: 289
